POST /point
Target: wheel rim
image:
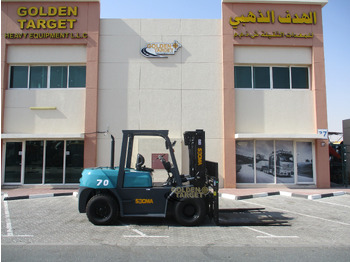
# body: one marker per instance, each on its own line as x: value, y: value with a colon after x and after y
x: 189, y: 211
x: 102, y: 210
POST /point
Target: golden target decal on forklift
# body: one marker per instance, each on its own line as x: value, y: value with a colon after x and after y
x: 190, y: 192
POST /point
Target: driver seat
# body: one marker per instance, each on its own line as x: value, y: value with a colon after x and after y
x: 140, y: 160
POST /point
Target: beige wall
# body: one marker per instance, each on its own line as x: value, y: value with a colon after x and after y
x: 69, y: 49
x: 240, y: 45
x: 68, y: 115
x: 65, y: 117
x: 178, y: 93
x: 274, y: 112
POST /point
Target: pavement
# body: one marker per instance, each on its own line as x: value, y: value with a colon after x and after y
x: 25, y: 192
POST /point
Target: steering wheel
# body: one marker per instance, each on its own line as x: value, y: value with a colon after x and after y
x: 166, y: 164
x: 171, y: 179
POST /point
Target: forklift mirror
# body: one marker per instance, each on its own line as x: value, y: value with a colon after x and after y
x: 172, y: 144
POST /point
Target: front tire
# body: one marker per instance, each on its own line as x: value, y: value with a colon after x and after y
x: 190, y: 211
x: 102, y: 210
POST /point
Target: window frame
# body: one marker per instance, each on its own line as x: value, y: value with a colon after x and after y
x: 271, y: 76
x: 44, y: 160
x: 276, y: 179
x: 48, y: 80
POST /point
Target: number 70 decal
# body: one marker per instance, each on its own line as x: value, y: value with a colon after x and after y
x: 102, y: 182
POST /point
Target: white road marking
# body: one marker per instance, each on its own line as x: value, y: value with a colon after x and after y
x: 141, y: 234
x: 8, y: 221
x: 334, y: 204
x: 267, y: 235
x: 301, y: 214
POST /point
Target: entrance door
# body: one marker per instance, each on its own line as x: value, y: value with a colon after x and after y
x: 54, y: 162
x: 33, y: 173
x: 13, y: 161
x: 304, y: 162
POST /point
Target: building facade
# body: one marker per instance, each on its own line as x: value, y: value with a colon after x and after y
x: 253, y: 80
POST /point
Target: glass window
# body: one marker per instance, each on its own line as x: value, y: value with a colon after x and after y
x: 265, y: 163
x: 243, y: 77
x: 304, y: 162
x: 300, y: 78
x: 33, y: 162
x: 261, y: 77
x: 13, y: 162
x: 77, y: 76
x: 19, y: 77
x: 54, y: 162
x: 58, y: 77
x: 284, y: 162
x: 245, y: 161
x: 74, y: 160
x: 281, y: 78
x: 38, y: 77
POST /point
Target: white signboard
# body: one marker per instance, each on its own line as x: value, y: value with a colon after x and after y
x: 323, y: 133
x: 158, y: 50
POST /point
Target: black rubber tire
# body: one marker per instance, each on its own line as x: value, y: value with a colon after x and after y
x: 102, y: 210
x: 190, y: 211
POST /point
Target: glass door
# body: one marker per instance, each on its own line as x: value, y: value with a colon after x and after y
x: 74, y: 160
x: 33, y: 172
x: 13, y: 161
x: 54, y: 162
x: 304, y: 162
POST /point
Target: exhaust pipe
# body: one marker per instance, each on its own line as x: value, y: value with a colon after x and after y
x: 112, y: 151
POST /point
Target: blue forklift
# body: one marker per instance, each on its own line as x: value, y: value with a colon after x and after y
x: 109, y: 193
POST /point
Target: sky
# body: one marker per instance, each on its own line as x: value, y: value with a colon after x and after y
x: 336, y: 16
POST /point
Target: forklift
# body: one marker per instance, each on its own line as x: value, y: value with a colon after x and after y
x: 109, y: 193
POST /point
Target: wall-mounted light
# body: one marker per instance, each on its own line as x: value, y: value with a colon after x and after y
x: 323, y: 144
x: 42, y: 108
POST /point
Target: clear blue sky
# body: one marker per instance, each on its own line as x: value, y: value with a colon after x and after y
x: 336, y: 15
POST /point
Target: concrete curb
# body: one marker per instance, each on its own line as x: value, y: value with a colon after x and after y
x: 282, y: 193
x: 7, y: 198
x: 223, y: 195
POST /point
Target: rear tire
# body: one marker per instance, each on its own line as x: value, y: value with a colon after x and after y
x: 102, y: 210
x: 190, y: 211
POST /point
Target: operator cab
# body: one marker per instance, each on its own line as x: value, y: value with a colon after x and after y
x: 148, y: 158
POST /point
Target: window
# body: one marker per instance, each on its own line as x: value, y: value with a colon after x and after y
x: 44, y: 162
x: 58, y: 77
x: 271, y: 77
x: 243, y: 77
x: 300, y: 78
x: 281, y: 78
x: 77, y: 76
x: 65, y: 76
x: 274, y: 162
x: 19, y: 77
x: 38, y: 77
x: 261, y: 77
x: 245, y: 161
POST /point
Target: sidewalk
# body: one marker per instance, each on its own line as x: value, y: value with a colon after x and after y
x: 35, y: 192
x: 230, y: 193
x: 308, y: 193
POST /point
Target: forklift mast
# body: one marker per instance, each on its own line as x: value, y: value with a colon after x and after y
x: 195, y: 141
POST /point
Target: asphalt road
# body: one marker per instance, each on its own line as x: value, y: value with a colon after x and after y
x: 289, y: 229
